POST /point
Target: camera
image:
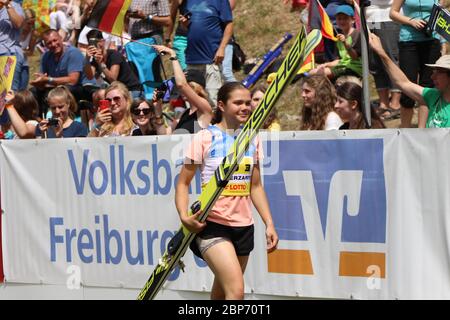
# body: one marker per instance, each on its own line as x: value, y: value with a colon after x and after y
x: 53, y: 122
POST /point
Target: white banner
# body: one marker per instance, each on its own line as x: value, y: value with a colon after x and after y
x: 361, y: 214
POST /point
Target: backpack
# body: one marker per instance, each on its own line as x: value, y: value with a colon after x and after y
x: 238, y: 55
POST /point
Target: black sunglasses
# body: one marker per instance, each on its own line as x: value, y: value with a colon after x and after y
x: 137, y: 112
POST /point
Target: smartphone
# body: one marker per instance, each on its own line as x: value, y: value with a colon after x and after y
x: 104, y: 104
x: 92, y: 42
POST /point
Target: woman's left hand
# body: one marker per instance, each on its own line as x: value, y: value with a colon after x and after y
x: 59, y: 128
x: 271, y: 238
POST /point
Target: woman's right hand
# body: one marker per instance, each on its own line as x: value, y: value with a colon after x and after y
x: 43, y: 125
x: 163, y: 49
x: 375, y: 44
x: 417, y: 24
x: 91, y: 51
x: 192, y: 224
x: 103, y: 116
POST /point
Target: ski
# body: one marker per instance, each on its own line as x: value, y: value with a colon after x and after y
x: 264, y: 63
x: 180, y: 242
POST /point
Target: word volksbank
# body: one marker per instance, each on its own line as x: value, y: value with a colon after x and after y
x: 120, y: 176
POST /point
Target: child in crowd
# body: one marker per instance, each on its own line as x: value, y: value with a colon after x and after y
x: 62, y: 125
x: 348, y: 45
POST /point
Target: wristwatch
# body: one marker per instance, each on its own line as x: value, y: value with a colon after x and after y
x: 150, y: 17
x: 173, y: 58
x: 50, y: 80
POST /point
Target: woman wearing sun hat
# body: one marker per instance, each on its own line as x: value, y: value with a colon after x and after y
x: 437, y: 99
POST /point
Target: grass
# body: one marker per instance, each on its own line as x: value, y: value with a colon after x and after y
x: 258, y: 24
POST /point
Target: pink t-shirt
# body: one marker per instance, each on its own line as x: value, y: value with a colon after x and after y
x: 208, y: 148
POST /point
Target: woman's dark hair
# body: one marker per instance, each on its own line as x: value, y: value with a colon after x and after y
x: 353, y: 92
x: 350, y: 91
x: 137, y: 102
x: 223, y: 95
x: 26, y: 105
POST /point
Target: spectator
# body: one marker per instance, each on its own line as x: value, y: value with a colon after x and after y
x: 319, y: 98
x: 147, y: 19
x: 59, y: 20
x: 226, y: 239
x: 115, y: 121
x: 416, y: 48
x: 60, y: 65
x: 348, y: 45
x: 148, y: 117
x: 436, y: 99
x: 11, y: 20
x: 228, y: 75
x: 63, y: 106
x: 349, y: 107
x: 28, y: 37
x: 109, y: 65
x: 272, y: 122
x: 179, y: 42
x: 74, y: 14
x: 22, y: 110
x: 209, y: 31
x: 380, y: 24
x: 199, y: 114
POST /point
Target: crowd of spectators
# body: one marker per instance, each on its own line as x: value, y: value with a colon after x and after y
x: 92, y: 83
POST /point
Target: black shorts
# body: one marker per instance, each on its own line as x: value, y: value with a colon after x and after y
x: 240, y: 237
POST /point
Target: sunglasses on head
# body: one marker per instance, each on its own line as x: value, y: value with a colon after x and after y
x: 137, y: 112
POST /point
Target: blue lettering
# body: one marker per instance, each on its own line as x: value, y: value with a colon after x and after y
x: 79, y: 181
x: 108, y: 235
x: 89, y: 245
x: 70, y: 234
x: 98, y: 241
x: 140, y: 256
x: 156, y: 166
x: 151, y: 236
x: 144, y: 178
x: 125, y: 175
x: 112, y: 159
x: 98, y: 164
x: 83, y: 243
x: 54, y: 239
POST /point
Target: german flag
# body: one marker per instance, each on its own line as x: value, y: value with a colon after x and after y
x: 108, y: 16
x: 308, y: 64
x: 319, y: 19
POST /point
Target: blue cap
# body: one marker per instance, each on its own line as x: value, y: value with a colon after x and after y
x: 345, y: 9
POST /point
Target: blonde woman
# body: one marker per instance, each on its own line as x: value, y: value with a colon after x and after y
x: 116, y: 120
x: 63, y: 106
